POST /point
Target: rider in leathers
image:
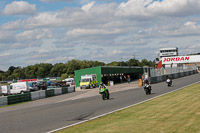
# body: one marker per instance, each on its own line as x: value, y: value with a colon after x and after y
x: 102, y: 85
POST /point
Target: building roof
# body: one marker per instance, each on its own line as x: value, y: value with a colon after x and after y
x: 168, y: 48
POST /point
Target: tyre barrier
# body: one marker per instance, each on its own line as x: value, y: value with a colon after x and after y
x: 71, y: 89
x: 38, y: 95
x: 57, y: 91
x: 64, y: 90
x: 42, y: 94
x: 3, y: 101
x: 35, y: 95
x: 49, y: 93
x: 31, y: 96
x: 18, y: 98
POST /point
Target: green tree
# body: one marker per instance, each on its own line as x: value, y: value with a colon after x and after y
x: 43, y: 70
x: 114, y: 63
x: 18, y: 74
x: 64, y: 76
x: 11, y: 69
x: 30, y: 71
x: 133, y: 62
x: 58, y: 69
x: 73, y: 65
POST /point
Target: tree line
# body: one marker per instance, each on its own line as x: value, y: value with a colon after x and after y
x: 63, y: 70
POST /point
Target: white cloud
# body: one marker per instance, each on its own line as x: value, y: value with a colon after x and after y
x: 59, y: 59
x: 133, y: 8
x: 92, y: 32
x: 187, y: 29
x: 19, y: 8
x: 88, y: 6
x: 72, y: 17
x: 36, y: 34
x: 175, y: 7
x: 56, y: 0
x: 4, y: 55
x: 150, y: 8
x: 6, y: 36
x: 114, y: 52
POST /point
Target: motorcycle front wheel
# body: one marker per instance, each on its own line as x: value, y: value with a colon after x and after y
x: 103, y: 96
x: 147, y: 92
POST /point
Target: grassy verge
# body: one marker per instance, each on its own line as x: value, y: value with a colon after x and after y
x: 178, y: 112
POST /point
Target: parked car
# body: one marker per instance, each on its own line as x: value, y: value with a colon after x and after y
x: 42, y: 85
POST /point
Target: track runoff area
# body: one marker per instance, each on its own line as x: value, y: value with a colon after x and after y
x: 52, y: 131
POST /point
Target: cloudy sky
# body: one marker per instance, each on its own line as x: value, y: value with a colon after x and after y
x: 54, y: 31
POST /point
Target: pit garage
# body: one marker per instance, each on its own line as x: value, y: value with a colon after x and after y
x: 110, y: 74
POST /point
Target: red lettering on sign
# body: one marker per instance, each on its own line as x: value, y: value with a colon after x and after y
x: 177, y: 58
x: 182, y: 58
x: 187, y: 58
x: 172, y: 59
x: 164, y: 59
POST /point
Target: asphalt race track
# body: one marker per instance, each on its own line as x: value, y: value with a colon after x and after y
x: 48, y: 114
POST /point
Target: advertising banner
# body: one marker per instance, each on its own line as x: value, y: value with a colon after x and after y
x: 181, y: 59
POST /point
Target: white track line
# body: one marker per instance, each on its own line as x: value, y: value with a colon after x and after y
x: 118, y: 109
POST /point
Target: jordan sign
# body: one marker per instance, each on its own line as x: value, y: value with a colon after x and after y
x: 181, y: 59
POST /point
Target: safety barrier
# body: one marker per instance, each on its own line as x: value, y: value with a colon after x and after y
x: 42, y: 94
x: 18, y: 98
x: 159, y: 78
x: 38, y: 95
x: 30, y: 96
x: 49, y: 93
x: 173, y: 76
x: 3, y: 101
x: 64, y: 89
x: 154, y: 80
x: 57, y: 91
x: 71, y: 89
x: 35, y: 95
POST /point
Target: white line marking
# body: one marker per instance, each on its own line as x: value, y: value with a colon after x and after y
x: 119, y: 109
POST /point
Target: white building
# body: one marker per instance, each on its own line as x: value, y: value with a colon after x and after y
x: 166, y: 52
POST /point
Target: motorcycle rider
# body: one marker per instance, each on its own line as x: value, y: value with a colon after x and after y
x: 102, y: 85
x: 169, y: 78
x: 146, y: 81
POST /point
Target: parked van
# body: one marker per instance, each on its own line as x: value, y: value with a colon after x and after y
x: 88, y: 81
x: 19, y: 87
x: 0, y: 90
x: 5, y: 90
x: 69, y: 81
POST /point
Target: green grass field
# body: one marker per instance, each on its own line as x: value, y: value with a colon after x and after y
x: 177, y: 112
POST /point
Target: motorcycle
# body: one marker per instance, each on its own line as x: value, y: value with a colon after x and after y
x: 169, y: 82
x: 104, y: 93
x: 147, y: 88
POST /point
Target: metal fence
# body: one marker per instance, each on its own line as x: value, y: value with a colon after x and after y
x: 167, y: 71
